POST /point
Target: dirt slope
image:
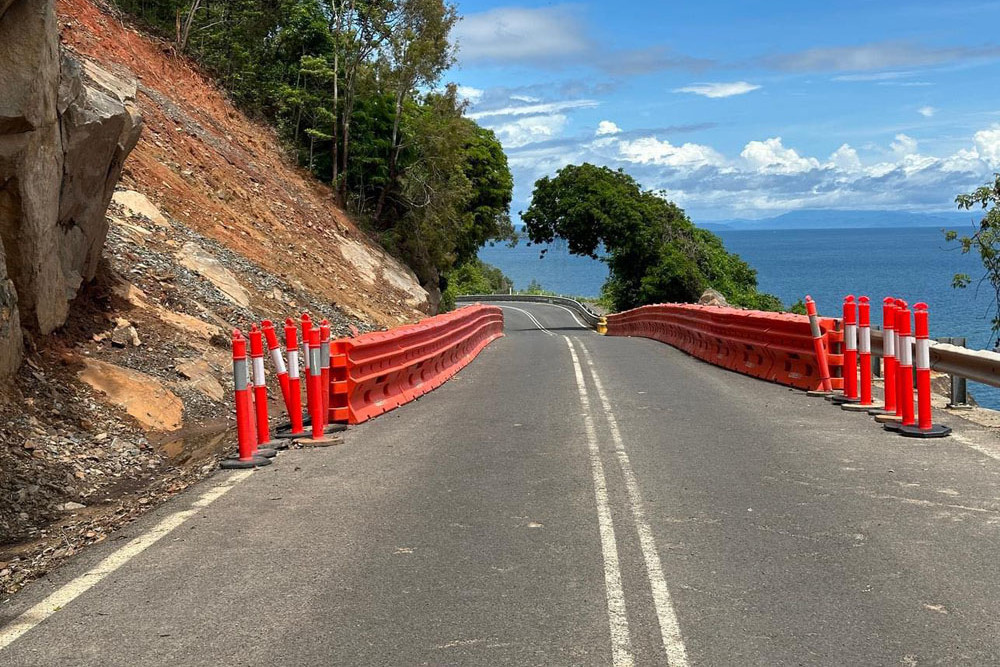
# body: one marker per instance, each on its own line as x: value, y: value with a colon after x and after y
x: 212, y: 228
x: 209, y: 167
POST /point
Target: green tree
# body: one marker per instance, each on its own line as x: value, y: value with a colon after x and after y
x: 653, y: 251
x: 983, y: 240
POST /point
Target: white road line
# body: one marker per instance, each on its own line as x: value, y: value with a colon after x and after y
x: 69, y: 592
x: 578, y: 320
x: 532, y: 318
x: 621, y: 641
x: 670, y: 631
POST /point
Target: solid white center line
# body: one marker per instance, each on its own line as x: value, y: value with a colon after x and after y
x: 77, y: 587
x: 670, y: 631
x: 621, y: 642
x: 532, y: 318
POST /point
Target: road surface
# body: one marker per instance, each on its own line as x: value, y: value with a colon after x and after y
x: 568, y: 499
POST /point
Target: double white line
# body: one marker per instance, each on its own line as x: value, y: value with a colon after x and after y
x: 621, y: 642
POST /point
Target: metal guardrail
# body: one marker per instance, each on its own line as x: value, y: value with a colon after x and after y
x: 960, y: 362
x: 588, y: 316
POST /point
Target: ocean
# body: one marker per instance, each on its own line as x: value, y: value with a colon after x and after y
x: 914, y: 264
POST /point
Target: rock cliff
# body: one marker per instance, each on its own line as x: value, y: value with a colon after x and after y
x: 65, y: 131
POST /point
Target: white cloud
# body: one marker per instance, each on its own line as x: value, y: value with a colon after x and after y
x: 881, y: 55
x: 527, y: 99
x: 845, y: 159
x: 606, y: 127
x: 533, y: 129
x: 473, y: 95
x: 716, y: 90
x: 535, y: 109
x: 516, y: 34
x: 904, y: 145
x: 770, y: 156
x: 927, y: 111
x: 964, y: 160
x: 988, y: 145
x: 650, y: 150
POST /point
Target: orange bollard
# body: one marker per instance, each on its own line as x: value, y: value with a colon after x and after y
x: 887, y: 412
x: 925, y: 427
x: 278, y: 359
x: 295, y: 429
x: 850, y: 395
x: 318, y: 437
x: 246, y: 440
x: 324, y: 360
x: 306, y: 361
x: 864, y: 357
x: 826, y: 387
x: 904, y: 368
x: 262, y: 422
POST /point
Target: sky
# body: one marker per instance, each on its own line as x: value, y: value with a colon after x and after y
x: 740, y: 109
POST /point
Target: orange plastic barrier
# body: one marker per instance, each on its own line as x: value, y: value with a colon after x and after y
x: 378, y: 372
x: 771, y: 346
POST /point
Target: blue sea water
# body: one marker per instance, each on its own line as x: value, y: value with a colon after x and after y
x: 914, y: 264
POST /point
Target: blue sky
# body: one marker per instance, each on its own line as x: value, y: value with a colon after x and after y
x: 743, y: 109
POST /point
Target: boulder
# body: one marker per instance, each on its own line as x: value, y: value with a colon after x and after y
x: 195, y: 258
x: 144, y: 397
x: 65, y: 131
x: 137, y: 205
x: 711, y: 297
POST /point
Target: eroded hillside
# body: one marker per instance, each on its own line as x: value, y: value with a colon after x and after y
x: 211, y: 228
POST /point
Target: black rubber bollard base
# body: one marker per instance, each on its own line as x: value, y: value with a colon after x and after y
x: 888, y: 418
x: 875, y: 412
x: 241, y: 464
x: 935, y: 431
x: 819, y: 393
x: 892, y: 426
x: 265, y: 453
x: 288, y: 435
x: 274, y: 443
x: 322, y: 441
x: 843, y: 400
x: 856, y: 407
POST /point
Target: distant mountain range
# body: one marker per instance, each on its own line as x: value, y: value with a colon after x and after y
x: 827, y: 219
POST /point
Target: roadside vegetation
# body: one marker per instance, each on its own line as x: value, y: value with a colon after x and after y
x: 983, y: 240
x: 654, y: 252
x: 355, y: 90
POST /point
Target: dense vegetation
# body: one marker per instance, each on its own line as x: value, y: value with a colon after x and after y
x: 354, y: 87
x: 654, y: 252
x: 984, y: 240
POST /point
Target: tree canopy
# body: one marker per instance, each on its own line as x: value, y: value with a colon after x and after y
x: 354, y: 87
x: 983, y: 241
x: 654, y: 252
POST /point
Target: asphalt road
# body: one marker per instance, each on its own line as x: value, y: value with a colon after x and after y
x: 568, y: 499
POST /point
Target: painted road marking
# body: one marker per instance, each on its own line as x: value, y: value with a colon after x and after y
x: 77, y: 587
x: 532, y: 318
x: 621, y: 641
x: 670, y: 631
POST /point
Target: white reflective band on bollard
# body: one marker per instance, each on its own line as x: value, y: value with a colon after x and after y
x: 240, y: 374
x: 258, y: 372
x: 279, y: 360
x: 923, y: 354
x: 906, y: 351
x: 851, y: 336
x: 889, y: 342
x: 293, y: 364
x: 865, y: 346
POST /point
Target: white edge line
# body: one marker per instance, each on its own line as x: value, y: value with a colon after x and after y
x: 670, y: 631
x: 77, y: 587
x: 621, y: 641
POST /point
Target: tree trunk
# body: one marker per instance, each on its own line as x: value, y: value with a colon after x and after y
x: 182, y: 42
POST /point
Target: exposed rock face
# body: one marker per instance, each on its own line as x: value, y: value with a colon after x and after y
x: 65, y: 130
x: 711, y: 297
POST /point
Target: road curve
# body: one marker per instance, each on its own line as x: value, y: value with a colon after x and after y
x: 567, y: 499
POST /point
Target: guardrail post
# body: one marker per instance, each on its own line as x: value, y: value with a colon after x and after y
x: 959, y: 392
